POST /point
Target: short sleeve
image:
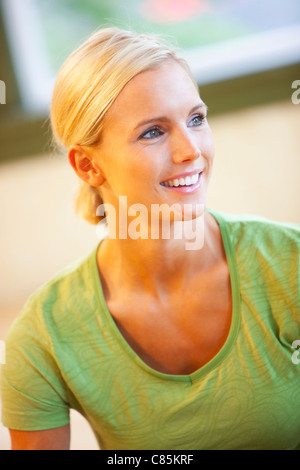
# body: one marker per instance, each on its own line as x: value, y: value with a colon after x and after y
x: 33, y: 393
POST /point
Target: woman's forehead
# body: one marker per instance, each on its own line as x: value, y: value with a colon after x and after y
x: 165, y: 87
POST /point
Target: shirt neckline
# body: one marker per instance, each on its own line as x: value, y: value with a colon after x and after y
x: 235, y: 320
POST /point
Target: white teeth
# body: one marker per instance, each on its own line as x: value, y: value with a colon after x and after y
x: 194, y: 178
x: 187, y: 181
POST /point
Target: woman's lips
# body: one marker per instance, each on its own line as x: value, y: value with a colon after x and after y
x: 185, y: 189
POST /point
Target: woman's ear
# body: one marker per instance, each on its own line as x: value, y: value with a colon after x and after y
x: 85, y: 166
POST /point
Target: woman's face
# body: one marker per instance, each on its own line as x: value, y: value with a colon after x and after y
x: 156, y: 133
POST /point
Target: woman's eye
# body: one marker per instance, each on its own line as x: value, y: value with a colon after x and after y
x: 152, y: 133
x: 198, y: 120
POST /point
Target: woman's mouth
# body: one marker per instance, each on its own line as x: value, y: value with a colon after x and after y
x: 185, y: 184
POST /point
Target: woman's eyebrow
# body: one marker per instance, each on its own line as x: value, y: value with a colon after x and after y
x: 166, y: 119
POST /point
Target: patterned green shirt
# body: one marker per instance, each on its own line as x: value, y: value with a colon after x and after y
x: 65, y: 351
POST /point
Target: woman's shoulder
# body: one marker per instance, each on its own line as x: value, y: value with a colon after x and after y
x: 67, y: 282
x: 254, y: 229
x: 57, y: 301
x: 260, y: 246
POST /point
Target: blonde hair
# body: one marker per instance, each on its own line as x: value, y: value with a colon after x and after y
x: 89, y: 82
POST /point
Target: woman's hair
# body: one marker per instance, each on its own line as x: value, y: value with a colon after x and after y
x: 89, y: 82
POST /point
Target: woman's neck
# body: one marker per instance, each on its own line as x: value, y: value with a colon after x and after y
x: 158, y: 266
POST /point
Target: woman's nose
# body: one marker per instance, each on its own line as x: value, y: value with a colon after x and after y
x: 184, y: 148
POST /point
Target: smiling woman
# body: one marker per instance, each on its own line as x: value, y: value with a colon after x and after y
x: 157, y: 345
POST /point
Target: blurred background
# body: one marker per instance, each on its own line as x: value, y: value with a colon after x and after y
x: 245, y: 55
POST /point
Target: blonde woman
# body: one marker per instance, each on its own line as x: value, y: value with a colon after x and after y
x: 159, y: 345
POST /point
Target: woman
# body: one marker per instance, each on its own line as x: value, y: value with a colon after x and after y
x: 158, y: 345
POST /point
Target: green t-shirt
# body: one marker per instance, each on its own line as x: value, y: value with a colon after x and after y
x: 65, y: 351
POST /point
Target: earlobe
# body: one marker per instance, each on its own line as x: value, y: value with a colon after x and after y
x: 85, y: 166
